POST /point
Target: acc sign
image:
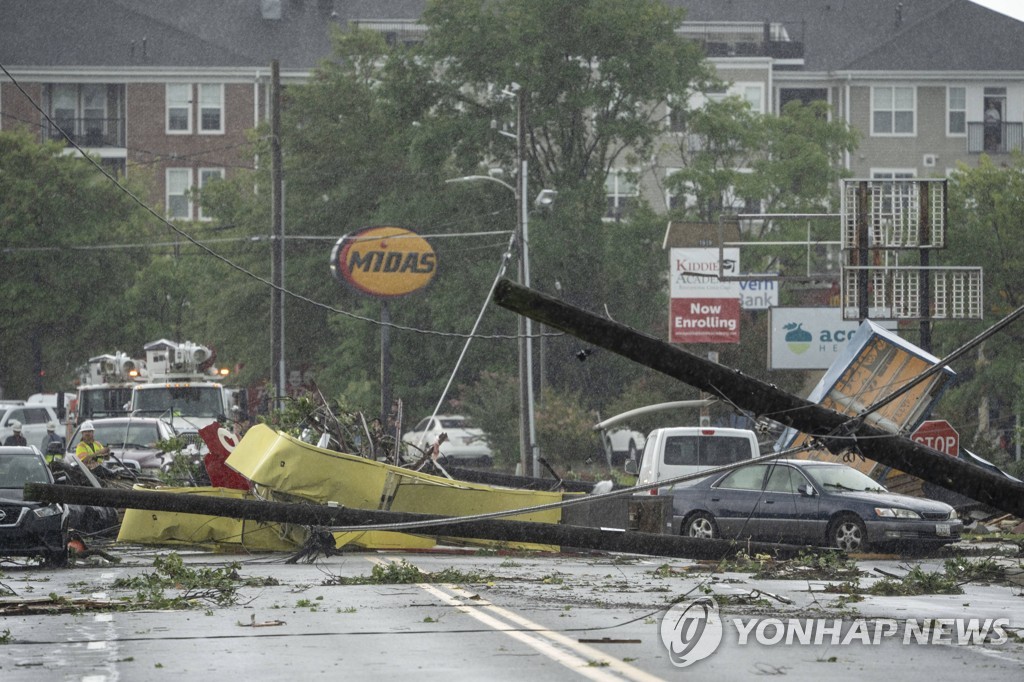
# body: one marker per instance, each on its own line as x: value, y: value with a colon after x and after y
x: 938, y: 435
x: 384, y: 261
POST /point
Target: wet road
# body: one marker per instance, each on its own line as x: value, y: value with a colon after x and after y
x: 504, y: 617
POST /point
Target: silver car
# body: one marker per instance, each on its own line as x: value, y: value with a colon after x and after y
x: 133, y: 440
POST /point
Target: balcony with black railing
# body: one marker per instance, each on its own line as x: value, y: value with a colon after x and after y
x: 994, y: 138
x: 87, y: 132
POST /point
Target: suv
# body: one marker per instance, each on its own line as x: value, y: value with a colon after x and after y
x: 33, y: 420
x: 30, y: 528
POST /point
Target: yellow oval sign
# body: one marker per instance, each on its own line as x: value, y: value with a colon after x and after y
x: 384, y: 261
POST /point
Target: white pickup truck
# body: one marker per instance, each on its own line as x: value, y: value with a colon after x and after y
x: 681, y: 450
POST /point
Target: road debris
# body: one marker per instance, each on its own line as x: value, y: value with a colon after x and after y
x: 263, y: 624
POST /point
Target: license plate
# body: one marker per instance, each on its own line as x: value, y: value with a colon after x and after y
x: 942, y: 529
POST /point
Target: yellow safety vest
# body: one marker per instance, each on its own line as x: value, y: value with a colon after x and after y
x: 83, y: 449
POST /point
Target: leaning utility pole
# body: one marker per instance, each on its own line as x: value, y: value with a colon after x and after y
x: 837, y: 432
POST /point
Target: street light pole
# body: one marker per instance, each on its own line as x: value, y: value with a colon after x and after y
x: 529, y: 452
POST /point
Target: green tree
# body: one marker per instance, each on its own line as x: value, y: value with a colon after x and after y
x: 789, y: 163
x: 64, y: 224
x: 596, y: 76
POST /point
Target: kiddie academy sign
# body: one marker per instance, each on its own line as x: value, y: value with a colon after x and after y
x: 703, y: 308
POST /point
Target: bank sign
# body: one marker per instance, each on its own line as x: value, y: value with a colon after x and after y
x: 810, y: 338
x: 703, y: 308
x: 384, y: 261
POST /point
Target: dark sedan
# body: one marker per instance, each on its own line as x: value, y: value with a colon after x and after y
x: 808, y: 502
x: 33, y: 529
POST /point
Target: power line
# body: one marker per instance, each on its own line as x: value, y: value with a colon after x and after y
x: 218, y: 240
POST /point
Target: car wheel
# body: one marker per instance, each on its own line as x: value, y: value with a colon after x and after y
x: 632, y: 452
x: 701, y: 525
x: 847, y: 533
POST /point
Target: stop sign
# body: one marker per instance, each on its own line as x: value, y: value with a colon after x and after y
x: 938, y: 434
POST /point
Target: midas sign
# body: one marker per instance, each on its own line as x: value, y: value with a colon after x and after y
x: 384, y: 261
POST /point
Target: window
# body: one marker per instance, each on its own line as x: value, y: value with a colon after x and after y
x: 36, y: 415
x: 621, y: 192
x: 754, y: 96
x: 675, y: 122
x: 705, y: 450
x: 207, y: 175
x: 94, y: 113
x: 956, y: 111
x: 64, y: 102
x: 676, y: 195
x: 179, y: 182
x: 784, y: 479
x: 892, y: 110
x: 179, y: 108
x: 211, y: 108
x: 897, y: 197
x: 747, y: 478
x: 804, y: 95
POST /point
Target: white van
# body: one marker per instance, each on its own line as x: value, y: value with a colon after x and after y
x: 682, y: 450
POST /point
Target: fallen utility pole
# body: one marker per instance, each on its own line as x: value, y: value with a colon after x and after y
x: 609, y: 540
x: 520, y: 482
x: 837, y: 432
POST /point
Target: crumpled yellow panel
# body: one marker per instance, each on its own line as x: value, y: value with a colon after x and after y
x: 146, y: 527
x: 281, y: 464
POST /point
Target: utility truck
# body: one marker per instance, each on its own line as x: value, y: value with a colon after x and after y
x: 105, y: 386
x: 183, y: 385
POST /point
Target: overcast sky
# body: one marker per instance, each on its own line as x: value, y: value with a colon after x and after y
x: 1013, y: 8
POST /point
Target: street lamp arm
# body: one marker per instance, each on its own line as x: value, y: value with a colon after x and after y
x: 473, y: 178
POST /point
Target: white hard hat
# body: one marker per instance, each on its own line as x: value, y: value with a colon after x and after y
x: 51, y: 426
x: 16, y: 425
x: 87, y: 426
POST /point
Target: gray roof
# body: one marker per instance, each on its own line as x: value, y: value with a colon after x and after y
x: 839, y: 35
x: 179, y: 33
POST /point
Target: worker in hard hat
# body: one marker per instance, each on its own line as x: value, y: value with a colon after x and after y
x: 51, y: 437
x: 16, y: 438
x: 88, y: 449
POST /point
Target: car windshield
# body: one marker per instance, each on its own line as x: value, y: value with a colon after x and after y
x: 123, y: 434
x: 102, y: 402
x: 454, y: 424
x: 843, y: 478
x: 705, y: 450
x: 17, y: 470
x: 185, y: 401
